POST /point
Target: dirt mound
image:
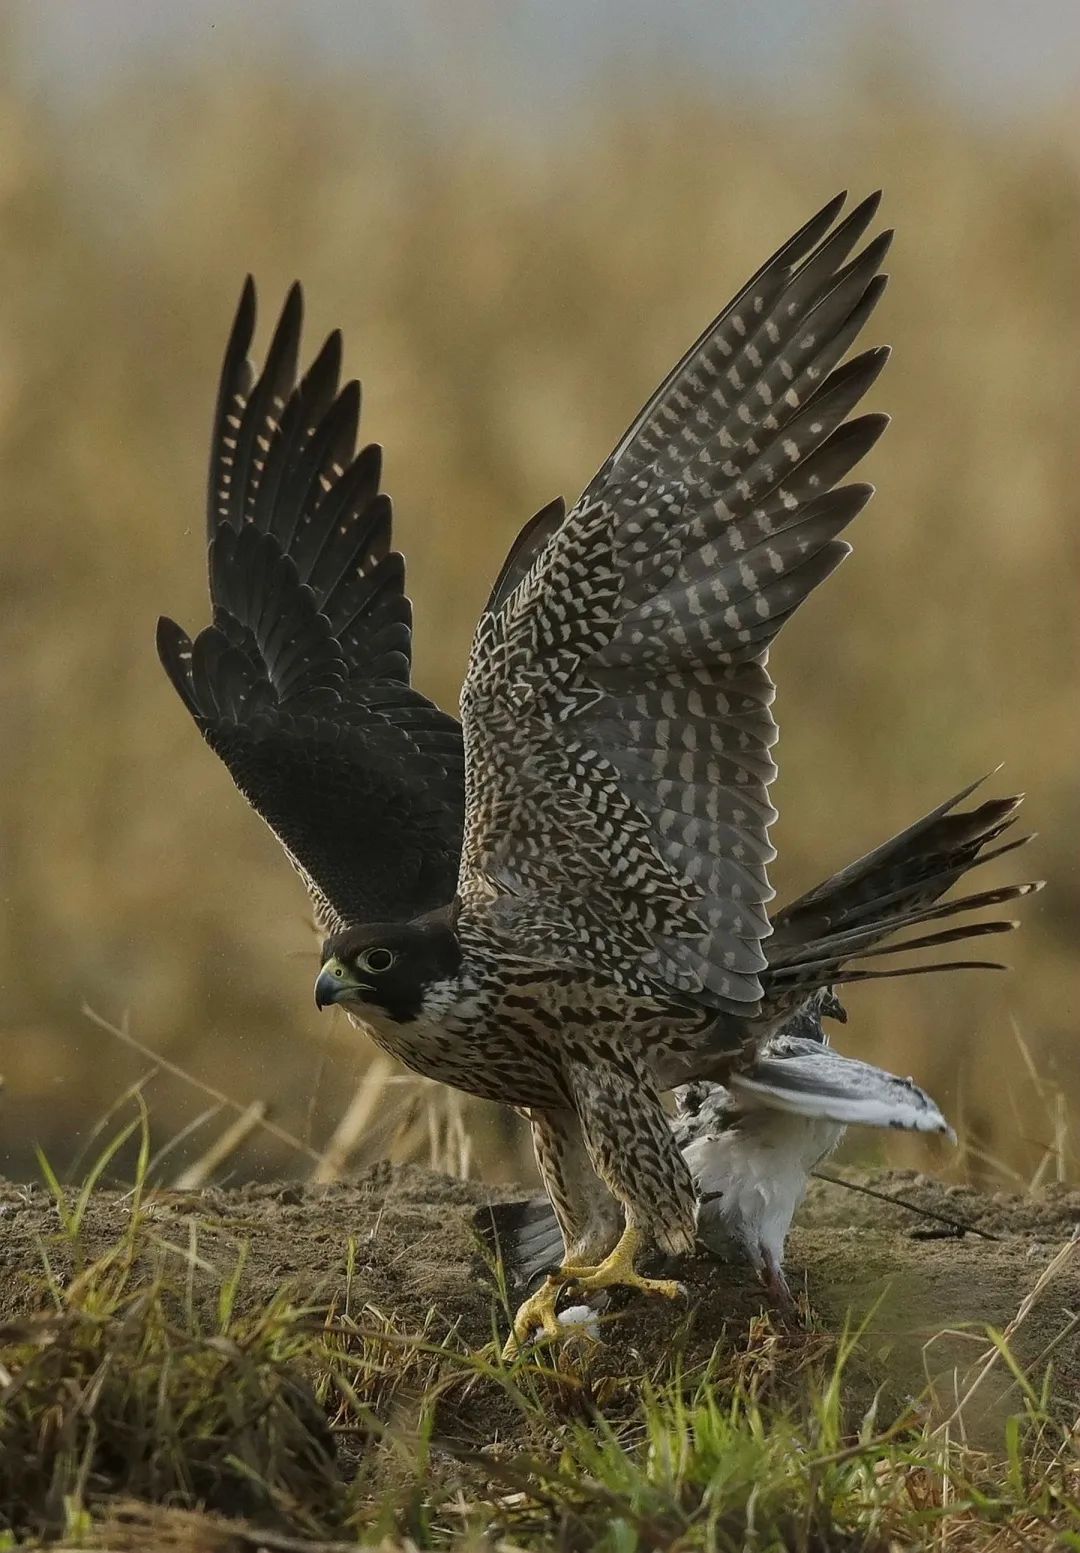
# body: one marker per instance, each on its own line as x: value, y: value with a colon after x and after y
x: 402, y: 1241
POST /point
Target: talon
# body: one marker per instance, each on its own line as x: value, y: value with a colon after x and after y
x: 537, y: 1314
x: 617, y: 1271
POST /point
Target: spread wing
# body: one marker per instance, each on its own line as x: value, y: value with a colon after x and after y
x: 617, y: 707
x: 301, y: 683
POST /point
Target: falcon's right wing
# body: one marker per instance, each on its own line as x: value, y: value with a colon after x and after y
x: 301, y: 684
x: 617, y: 708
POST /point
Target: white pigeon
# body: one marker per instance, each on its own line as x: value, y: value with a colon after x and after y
x: 753, y: 1145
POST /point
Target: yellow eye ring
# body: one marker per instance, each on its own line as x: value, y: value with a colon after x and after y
x: 376, y: 960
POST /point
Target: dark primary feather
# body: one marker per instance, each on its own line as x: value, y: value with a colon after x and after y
x: 618, y: 704
x: 301, y: 684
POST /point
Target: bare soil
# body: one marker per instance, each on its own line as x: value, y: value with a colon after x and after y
x: 414, y: 1249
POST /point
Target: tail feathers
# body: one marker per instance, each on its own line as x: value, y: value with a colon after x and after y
x: 806, y: 1079
x: 896, y: 887
x: 525, y: 1234
x: 911, y: 869
x: 928, y: 968
x: 865, y: 942
x: 935, y: 885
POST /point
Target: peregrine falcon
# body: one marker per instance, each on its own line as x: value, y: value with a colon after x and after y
x: 609, y: 938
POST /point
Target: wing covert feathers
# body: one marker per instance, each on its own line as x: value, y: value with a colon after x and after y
x: 618, y: 706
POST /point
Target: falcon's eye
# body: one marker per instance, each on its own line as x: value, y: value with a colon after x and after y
x: 375, y: 960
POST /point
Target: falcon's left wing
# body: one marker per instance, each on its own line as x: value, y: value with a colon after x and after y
x: 301, y: 682
x: 617, y: 707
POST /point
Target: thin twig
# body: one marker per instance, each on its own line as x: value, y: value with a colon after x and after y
x: 123, y: 1034
x: 900, y: 1202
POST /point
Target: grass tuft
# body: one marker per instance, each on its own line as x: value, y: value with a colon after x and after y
x: 111, y: 1395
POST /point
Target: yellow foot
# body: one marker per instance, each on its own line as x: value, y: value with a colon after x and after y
x: 617, y: 1271
x: 537, y: 1314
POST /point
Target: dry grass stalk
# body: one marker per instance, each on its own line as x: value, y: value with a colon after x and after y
x: 222, y: 1149
x: 344, y: 1140
x: 994, y: 1355
x: 122, y: 1033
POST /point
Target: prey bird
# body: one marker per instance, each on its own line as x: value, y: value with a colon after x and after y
x: 604, y: 936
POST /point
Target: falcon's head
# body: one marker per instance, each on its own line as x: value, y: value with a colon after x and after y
x: 384, y: 971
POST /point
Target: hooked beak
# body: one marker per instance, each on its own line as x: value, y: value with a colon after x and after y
x: 334, y: 983
x: 830, y: 1006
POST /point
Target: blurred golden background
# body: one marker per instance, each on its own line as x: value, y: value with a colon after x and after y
x: 511, y: 286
